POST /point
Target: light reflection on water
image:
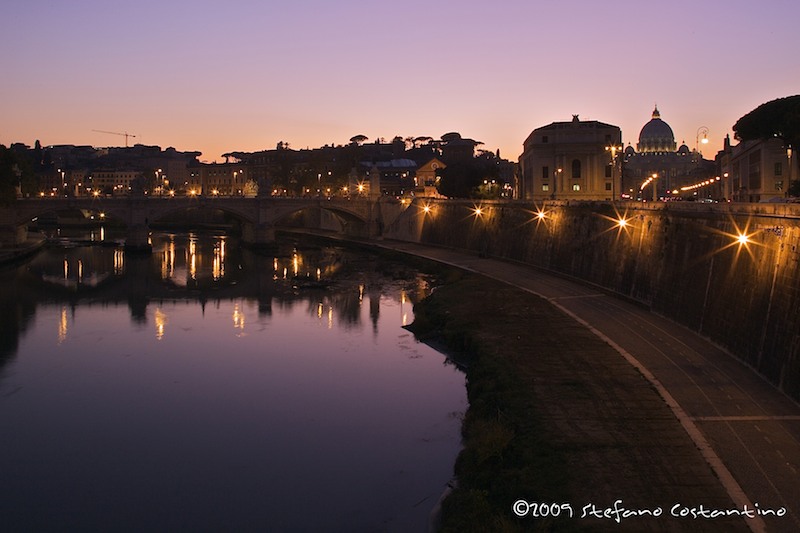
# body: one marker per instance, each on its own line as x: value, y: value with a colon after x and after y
x: 204, y: 388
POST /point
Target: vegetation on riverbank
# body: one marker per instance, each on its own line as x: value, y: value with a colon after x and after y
x: 507, y: 454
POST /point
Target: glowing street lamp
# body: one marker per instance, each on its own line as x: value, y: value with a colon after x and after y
x: 159, y: 184
x: 651, y: 180
x: 698, y: 141
x: 743, y: 238
x: 556, y: 182
x: 613, y: 149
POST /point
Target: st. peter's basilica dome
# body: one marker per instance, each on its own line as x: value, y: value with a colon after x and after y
x: 656, y: 136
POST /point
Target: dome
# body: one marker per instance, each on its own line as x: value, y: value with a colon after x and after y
x: 656, y: 136
x: 684, y: 150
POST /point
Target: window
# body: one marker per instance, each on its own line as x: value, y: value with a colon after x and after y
x: 754, y: 170
x: 576, y: 168
x: 545, y: 173
x: 576, y: 187
x: 545, y: 187
x: 608, y: 171
x: 608, y: 186
x: 779, y: 169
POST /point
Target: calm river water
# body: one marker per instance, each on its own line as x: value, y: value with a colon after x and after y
x: 208, y: 388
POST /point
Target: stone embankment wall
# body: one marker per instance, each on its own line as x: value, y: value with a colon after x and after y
x: 683, y: 260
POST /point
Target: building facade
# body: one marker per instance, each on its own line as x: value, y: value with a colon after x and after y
x: 757, y: 171
x: 575, y: 160
x: 116, y: 182
x: 656, y: 170
x: 215, y: 179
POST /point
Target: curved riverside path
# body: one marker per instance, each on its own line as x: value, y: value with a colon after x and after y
x: 747, y: 430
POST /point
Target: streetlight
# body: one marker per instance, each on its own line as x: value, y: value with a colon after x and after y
x: 698, y: 141
x: 159, y: 185
x: 652, y: 179
x: 556, y: 181
x: 655, y: 187
x: 613, y: 149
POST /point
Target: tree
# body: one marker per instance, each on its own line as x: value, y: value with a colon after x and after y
x: 778, y: 118
x: 463, y: 178
x: 419, y: 141
x: 250, y: 189
x: 8, y: 176
x: 16, y: 173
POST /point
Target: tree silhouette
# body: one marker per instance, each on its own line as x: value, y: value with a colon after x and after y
x: 463, y: 178
x: 778, y: 118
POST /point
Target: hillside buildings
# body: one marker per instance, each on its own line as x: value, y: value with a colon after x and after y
x: 398, y: 168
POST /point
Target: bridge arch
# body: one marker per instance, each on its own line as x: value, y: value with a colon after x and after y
x: 325, y: 217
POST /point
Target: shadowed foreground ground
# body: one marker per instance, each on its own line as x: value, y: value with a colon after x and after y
x: 558, y: 417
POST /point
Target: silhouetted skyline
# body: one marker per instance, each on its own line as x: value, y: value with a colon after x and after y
x: 245, y: 75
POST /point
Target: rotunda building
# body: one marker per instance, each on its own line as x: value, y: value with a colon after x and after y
x: 656, y: 136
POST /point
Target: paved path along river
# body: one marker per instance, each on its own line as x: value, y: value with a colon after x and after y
x: 747, y: 430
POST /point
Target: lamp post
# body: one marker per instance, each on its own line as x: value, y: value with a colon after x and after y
x: 159, y: 187
x: 655, y: 187
x: 556, y: 181
x: 698, y: 141
x: 613, y: 149
x: 651, y: 180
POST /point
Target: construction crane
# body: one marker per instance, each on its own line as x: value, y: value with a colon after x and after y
x: 126, y: 135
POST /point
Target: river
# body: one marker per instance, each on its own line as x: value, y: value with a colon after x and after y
x: 207, y: 387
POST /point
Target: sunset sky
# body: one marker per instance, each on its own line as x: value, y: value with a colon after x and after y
x: 243, y: 75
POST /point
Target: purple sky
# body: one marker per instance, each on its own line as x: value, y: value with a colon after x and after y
x: 217, y: 76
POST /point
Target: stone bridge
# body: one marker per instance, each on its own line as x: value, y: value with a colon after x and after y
x: 363, y: 217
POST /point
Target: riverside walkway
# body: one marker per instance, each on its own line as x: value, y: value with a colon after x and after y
x: 746, y: 430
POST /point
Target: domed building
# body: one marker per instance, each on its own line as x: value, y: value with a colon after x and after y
x: 656, y: 155
x: 656, y: 136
